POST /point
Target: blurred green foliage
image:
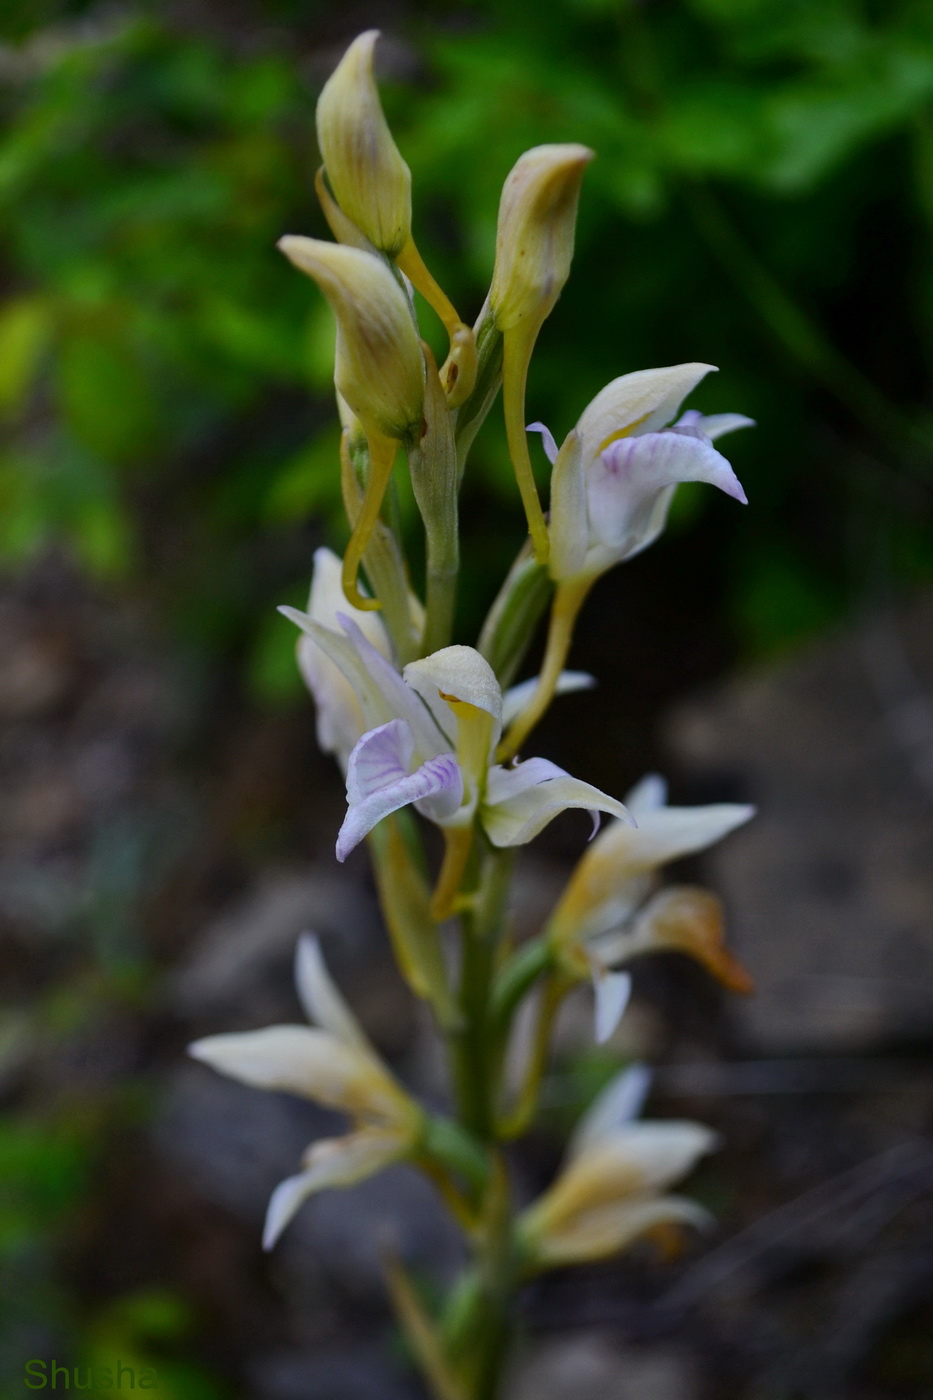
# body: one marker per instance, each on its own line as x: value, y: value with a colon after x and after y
x: 762, y: 200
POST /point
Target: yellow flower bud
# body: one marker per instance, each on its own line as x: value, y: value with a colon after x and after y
x: 534, y: 241
x: 380, y: 371
x: 534, y: 246
x: 366, y: 172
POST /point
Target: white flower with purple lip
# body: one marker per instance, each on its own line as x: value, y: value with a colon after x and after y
x: 611, y: 910
x: 332, y: 1062
x: 429, y: 741
x: 616, y: 472
x: 614, y: 1183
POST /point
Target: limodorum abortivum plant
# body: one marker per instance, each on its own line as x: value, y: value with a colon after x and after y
x: 423, y: 724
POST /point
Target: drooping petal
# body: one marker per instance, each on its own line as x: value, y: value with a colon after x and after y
x: 684, y: 919
x: 322, y: 1002
x: 306, y: 1061
x: 619, y: 1103
x: 437, y: 778
x: 640, y: 402
x: 547, y: 440
x: 520, y: 801
x: 646, y: 796
x: 600, y: 1233
x: 332, y: 1162
x: 380, y: 757
x: 714, y: 425
x: 612, y: 991
x: 517, y: 696
x: 628, y: 486
x: 635, y: 1159
x: 610, y: 879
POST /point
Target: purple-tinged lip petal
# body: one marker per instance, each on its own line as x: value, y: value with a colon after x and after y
x: 631, y: 475
x: 437, y: 776
x: 547, y: 440
x: 714, y: 425
x: 380, y: 757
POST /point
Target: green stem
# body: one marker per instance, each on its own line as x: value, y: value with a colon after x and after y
x: 440, y: 601
x: 521, y: 971
x: 472, y: 414
x: 518, y: 1121
x: 482, y: 921
x: 511, y: 622
x: 383, y: 559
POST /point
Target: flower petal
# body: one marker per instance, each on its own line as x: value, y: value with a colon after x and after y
x: 517, y: 696
x: 620, y: 1102
x: 322, y: 1002
x: 646, y: 796
x: 714, y: 425
x: 547, y: 440
x: 634, y: 1159
x: 460, y: 672
x: 332, y: 1162
x: 598, y: 1234
x: 663, y: 835
x: 428, y: 727
x: 610, y: 879
x: 339, y: 717
x: 520, y: 801
x: 380, y: 757
x: 438, y: 778
x: 640, y: 402
x: 302, y: 1060
x: 628, y: 485
x: 612, y: 991
x: 688, y: 920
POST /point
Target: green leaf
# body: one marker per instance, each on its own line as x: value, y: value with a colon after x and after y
x: 25, y: 325
x: 106, y: 398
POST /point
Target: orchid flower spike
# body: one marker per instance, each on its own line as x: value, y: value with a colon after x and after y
x: 617, y: 471
x: 607, y: 915
x: 611, y: 1189
x: 332, y: 1062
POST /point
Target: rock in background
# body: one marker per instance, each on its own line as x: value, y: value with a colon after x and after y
x: 830, y: 889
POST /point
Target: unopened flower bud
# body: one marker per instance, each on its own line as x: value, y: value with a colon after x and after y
x: 380, y: 371
x: 534, y: 242
x: 366, y: 172
x: 534, y: 246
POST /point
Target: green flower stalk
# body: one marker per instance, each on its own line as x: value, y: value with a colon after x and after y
x: 427, y: 727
